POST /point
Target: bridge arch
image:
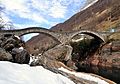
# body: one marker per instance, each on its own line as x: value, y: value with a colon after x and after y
x: 91, y: 33
x: 21, y: 32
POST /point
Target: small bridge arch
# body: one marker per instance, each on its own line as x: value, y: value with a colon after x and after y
x: 91, y: 33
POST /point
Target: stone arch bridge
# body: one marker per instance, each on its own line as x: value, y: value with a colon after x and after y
x: 62, y: 37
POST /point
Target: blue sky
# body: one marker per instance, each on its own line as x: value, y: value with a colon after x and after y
x: 40, y: 13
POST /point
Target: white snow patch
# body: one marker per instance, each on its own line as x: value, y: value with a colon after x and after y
x: 85, y: 76
x: 21, y: 48
x: 12, y: 73
x: 17, y: 37
x: 31, y: 60
x: 77, y: 40
x: 89, y: 5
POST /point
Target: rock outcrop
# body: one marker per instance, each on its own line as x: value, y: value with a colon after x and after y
x: 5, y: 56
x: 11, y: 49
x: 20, y: 56
x: 55, y: 58
x: 108, y: 57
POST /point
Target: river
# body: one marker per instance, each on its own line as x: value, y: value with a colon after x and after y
x: 109, y: 73
x: 83, y: 49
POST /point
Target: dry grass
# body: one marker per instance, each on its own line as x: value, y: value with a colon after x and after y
x: 115, y: 36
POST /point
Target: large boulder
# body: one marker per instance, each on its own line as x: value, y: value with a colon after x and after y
x: 5, y: 56
x: 57, y: 57
x: 60, y: 52
x: 20, y: 56
x: 108, y: 57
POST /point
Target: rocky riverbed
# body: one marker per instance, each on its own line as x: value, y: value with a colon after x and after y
x: 57, y: 59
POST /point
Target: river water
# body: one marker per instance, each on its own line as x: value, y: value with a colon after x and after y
x: 109, y: 73
x: 83, y: 49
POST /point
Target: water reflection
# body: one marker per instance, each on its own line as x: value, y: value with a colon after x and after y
x: 109, y: 73
x: 84, y: 47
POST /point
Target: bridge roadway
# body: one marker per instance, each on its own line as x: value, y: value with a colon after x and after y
x: 62, y: 37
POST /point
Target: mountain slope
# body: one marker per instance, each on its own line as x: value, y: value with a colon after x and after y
x: 100, y: 16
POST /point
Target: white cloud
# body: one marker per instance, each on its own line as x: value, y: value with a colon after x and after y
x: 42, y: 5
x: 57, y: 10
x: 40, y: 11
x: 66, y: 2
x: 15, y: 5
x: 53, y: 8
x: 38, y: 18
x: 22, y: 9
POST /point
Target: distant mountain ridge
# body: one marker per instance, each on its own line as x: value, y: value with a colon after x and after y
x: 100, y: 16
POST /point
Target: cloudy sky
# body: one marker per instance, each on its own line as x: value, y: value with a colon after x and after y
x: 43, y: 13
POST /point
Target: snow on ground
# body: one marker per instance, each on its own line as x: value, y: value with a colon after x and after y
x: 33, y: 58
x: 12, y: 73
x: 78, y: 40
x: 21, y: 48
x: 85, y: 76
x: 17, y: 37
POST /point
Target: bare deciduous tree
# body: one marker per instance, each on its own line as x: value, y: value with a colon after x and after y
x: 1, y: 20
x: 3, y: 24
